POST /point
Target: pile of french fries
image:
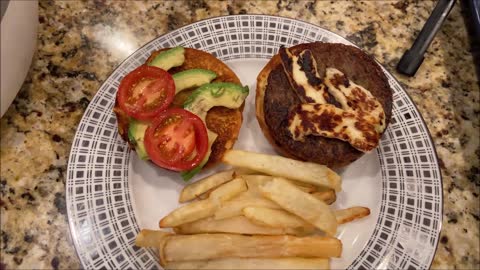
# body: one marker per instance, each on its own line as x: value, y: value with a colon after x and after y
x: 268, y: 212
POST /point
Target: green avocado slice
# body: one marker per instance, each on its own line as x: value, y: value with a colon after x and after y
x: 173, y: 57
x: 224, y: 94
x: 136, y: 133
x: 192, y: 78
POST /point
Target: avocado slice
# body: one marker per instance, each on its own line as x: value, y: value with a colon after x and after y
x: 209, y: 95
x: 192, y: 78
x: 136, y: 133
x: 165, y: 60
x: 224, y: 94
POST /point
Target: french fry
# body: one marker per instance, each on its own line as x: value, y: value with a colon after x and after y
x: 193, y: 211
x: 214, y: 246
x: 252, y: 197
x: 196, y: 189
x: 243, y: 171
x: 228, y: 190
x: 253, y: 263
x: 201, y: 209
x: 236, y: 225
x: 248, y: 194
x: 255, y: 180
x: 308, y: 172
x: 300, y: 203
x: 161, y: 250
x: 307, y: 187
x: 275, y: 218
x: 350, y: 214
x: 205, y: 195
x: 150, y: 238
x: 234, y: 207
x: 327, y: 196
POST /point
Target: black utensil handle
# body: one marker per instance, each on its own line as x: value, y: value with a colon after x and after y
x: 413, y: 58
x: 471, y: 14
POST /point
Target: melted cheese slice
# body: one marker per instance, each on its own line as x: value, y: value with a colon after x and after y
x: 303, y: 76
x: 361, y: 119
x: 332, y: 122
x: 354, y: 97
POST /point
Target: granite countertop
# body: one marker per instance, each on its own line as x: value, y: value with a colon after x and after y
x: 81, y: 42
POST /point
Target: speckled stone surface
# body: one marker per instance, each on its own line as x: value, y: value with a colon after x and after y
x: 81, y: 42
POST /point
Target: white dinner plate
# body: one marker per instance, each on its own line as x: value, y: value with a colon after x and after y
x: 111, y: 194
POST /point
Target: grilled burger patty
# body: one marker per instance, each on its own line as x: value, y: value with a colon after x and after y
x: 275, y: 97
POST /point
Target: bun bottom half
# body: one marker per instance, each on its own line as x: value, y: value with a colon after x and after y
x: 223, y: 121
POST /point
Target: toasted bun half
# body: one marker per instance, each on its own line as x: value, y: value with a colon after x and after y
x: 223, y: 121
x: 274, y: 97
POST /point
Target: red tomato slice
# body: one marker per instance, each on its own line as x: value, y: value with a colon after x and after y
x: 145, y: 92
x: 176, y: 140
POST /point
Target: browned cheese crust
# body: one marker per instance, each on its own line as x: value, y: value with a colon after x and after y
x: 274, y: 98
x: 223, y: 121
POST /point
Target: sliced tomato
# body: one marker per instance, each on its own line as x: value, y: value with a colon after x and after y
x: 176, y: 140
x: 145, y: 92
